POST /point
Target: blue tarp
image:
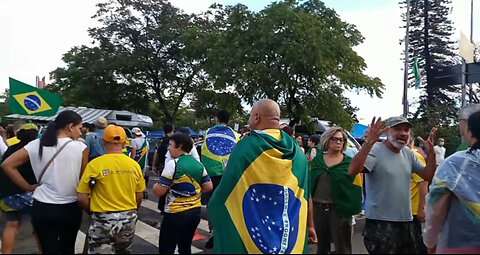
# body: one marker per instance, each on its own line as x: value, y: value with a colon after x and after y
x: 156, y: 134
x: 359, y: 130
x: 191, y: 132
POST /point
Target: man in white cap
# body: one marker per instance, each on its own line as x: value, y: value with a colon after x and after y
x: 94, y: 140
x: 140, y: 151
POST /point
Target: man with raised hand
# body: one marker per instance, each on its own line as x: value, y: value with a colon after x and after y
x: 388, y: 167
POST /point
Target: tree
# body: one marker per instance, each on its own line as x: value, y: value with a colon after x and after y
x: 208, y: 102
x: 291, y: 52
x: 430, y: 42
x: 151, y: 51
x: 4, y: 103
x: 95, y: 70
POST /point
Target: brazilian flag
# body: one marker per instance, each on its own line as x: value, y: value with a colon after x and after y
x: 28, y: 100
x: 220, y: 140
x: 346, y: 189
x: 261, y: 203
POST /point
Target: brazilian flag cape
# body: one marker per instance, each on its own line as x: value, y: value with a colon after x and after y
x: 220, y: 140
x: 346, y: 189
x: 261, y: 203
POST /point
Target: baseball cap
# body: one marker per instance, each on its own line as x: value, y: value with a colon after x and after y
x: 28, y: 126
x: 137, y: 131
x: 397, y: 120
x: 101, y: 122
x: 114, y: 134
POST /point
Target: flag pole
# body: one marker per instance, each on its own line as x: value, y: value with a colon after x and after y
x: 405, y: 73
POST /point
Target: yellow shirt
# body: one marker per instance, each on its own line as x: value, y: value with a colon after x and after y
x: 12, y: 141
x: 118, y: 177
x: 414, y: 188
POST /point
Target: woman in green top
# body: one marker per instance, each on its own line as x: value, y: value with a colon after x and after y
x: 336, y: 195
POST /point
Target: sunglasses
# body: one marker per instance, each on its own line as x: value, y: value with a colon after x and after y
x: 337, y: 139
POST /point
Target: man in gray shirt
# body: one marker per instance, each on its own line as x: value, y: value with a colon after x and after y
x: 388, y: 168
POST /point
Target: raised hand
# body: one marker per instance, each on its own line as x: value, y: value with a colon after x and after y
x: 375, y: 130
x: 430, y: 142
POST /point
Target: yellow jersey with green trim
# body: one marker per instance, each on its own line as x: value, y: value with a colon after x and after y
x: 118, y: 179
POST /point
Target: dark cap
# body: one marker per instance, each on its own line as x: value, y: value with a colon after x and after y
x: 395, y: 121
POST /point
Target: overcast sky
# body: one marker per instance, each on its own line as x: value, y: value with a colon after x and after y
x: 34, y: 35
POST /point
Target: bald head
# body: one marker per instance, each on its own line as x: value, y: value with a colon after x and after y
x: 265, y: 115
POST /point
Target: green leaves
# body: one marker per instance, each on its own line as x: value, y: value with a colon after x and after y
x: 298, y: 53
x: 290, y: 52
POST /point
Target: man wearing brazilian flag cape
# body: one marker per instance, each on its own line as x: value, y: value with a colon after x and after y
x: 262, y: 202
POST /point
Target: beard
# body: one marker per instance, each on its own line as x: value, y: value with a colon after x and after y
x: 396, y: 144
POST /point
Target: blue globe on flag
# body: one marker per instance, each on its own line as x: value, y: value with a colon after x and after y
x: 32, y: 102
x: 221, y: 140
x: 271, y: 214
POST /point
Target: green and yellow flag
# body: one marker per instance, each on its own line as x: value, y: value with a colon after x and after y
x: 261, y: 204
x: 346, y: 189
x: 28, y: 100
x: 220, y: 140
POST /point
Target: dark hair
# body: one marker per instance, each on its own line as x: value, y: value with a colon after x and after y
x: 167, y: 128
x: 288, y: 130
x: 184, y: 141
x: 474, y: 127
x: 90, y: 127
x: 63, y: 119
x: 315, y: 139
x: 26, y: 136
x: 10, y: 131
x: 223, y: 116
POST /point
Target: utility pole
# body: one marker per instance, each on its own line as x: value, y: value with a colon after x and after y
x: 405, y: 73
x: 471, y: 21
x: 470, y: 85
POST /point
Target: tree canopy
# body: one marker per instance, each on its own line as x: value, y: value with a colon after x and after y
x: 297, y: 53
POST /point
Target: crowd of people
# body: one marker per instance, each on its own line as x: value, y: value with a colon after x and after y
x: 265, y: 192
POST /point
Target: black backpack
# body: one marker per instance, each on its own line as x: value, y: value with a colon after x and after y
x: 162, y: 150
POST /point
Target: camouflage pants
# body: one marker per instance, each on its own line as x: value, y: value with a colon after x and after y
x: 385, y: 237
x: 111, y: 233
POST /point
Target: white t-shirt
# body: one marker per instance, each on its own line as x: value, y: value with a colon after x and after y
x: 439, y: 154
x: 60, y: 181
x: 193, y: 153
x: 137, y: 143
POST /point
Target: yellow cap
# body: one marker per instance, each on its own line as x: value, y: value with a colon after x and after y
x: 114, y: 134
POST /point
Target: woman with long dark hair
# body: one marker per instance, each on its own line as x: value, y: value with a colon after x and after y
x: 57, y: 161
x: 453, y: 217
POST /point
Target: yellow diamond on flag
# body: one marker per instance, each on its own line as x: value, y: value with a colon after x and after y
x: 32, y: 102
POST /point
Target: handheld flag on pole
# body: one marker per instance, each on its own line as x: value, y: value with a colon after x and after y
x: 28, y: 100
x: 416, y: 72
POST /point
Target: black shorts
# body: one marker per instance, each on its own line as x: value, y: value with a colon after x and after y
x: 13, y: 215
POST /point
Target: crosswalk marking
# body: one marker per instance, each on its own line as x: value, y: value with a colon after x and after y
x: 154, y: 207
x: 150, y: 205
x: 143, y: 231
x: 80, y: 242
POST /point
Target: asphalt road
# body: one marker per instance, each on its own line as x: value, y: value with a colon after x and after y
x: 147, y: 232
